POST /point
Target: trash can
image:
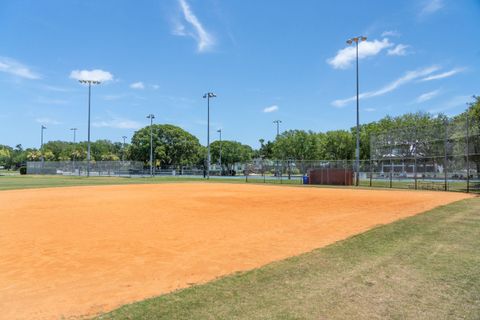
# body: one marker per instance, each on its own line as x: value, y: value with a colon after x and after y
x: 305, y: 180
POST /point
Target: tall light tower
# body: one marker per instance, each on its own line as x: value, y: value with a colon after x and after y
x: 356, y: 40
x: 89, y: 82
x: 74, y: 141
x: 277, y: 122
x: 220, y: 132
x: 151, y: 117
x: 41, y: 141
x: 123, y: 148
x: 207, y: 96
x: 74, y: 134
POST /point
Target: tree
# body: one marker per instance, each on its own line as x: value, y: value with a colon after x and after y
x: 5, y: 156
x: 297, y: 145
x: 339, y: 145
x: 232, y: 152
x: 173, y: 146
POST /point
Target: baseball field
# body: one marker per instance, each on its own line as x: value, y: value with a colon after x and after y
x: 82, y: 251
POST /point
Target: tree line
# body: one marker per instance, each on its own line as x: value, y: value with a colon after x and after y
x: 175, y: 147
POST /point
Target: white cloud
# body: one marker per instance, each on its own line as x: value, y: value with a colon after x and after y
x: 399, y: 50
x: 391, y: 33
x: 431, y: 6
x: 118, y: 123
x: 271, y: 109
x: 46, y: 121
x: 427, y: 96
x: 137, y: 85
x: 205, y: 40
x: 16, y: 68
x: 344, y: 57
x: 155, y: 86
x: 443, y: 75
x: 95, y: 75
x: 454, y: 102
x: 408, y: 77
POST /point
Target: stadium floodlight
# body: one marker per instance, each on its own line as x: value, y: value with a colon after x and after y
x: 277, y: 122
x: 89, y: 82
x: 220, y: 158
x: 123, y: 148
x: 151, y: 117
x: 74, y: 141
x: 207, y: 96
x: 41, y: 141
x: 356, y: 40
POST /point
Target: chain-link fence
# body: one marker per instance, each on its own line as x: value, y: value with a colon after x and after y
x: 81, y: 168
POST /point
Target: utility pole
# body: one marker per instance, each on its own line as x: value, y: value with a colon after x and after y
x: 123, y: 148
x: 220, y: 132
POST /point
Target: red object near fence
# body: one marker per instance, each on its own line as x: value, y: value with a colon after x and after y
x: 341, y: 177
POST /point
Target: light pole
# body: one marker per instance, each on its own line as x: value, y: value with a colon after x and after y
x: 220, y: 160
x: 89, y: 82
x: 74, y: 134
x: 207, y: 96
x: 277, y: 122
x: 74, y: 140
x: 356, y: 40
x: 41, y: 142
x: 151, y: 117
x: 123, y: 151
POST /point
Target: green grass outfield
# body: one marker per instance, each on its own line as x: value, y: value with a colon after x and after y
x: 423, y: 267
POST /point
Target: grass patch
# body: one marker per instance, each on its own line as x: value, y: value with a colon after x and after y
x: 423, y: 267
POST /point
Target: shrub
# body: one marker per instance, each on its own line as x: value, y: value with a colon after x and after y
x: 23, y: 170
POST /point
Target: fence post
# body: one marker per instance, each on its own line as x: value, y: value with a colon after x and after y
x: 371, y: 172
x: 415, y: 159
x: 391, y: 172
x: 445, y: 158
x: 468, y: 155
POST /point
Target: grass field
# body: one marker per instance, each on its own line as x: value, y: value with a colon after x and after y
x: 423, y: 267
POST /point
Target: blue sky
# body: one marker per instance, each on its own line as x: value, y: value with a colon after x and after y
x: 265, y: 60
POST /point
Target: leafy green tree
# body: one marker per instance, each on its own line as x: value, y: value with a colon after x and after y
x: 173, y: 146
x: 339, y: 145
x: 232, y: 152
x: 297, y: 145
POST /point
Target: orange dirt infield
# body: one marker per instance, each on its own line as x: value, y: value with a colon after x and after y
x: 66, y: 252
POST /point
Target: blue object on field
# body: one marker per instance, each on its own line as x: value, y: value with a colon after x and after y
x: 305, y: 180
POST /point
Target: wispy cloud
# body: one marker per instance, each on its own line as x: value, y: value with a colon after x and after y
x: 117, y: 123
x: 443, y: 75
x: 431, y: 6
x: 45, y: 121
x: 137, y: 85
x: 95, y: 75
x: 13, y: 67
x: 370, y: 109
x: 427, y: 96
x: 205, y: 41
x: 44, y: 100
x: 399, y: 50
x: 57, y: 89
x: 344, y: 57
x: 452, y: 103
x: 391, y: 33
x: 272, y: 108
x: 155, y: 86
x: 408, y: 77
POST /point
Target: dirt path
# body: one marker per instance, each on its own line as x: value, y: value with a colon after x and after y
x: 83, y: 250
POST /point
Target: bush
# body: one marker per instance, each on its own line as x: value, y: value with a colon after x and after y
x: 23, y: 170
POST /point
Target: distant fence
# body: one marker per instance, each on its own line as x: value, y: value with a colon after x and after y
x: 79, y: 168
x: 408, y: 173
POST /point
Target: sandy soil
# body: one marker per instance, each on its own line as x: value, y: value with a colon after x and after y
x: 67, y: 252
